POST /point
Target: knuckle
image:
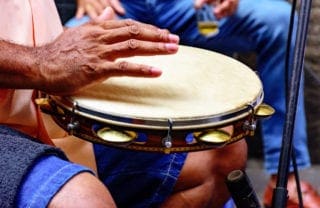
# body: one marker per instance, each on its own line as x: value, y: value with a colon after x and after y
x: 134, y: 29
x: 123, y: 65
x: 104, y: 38
x: 163, y: 35
x: 132, y: 44
x: 129, y: 22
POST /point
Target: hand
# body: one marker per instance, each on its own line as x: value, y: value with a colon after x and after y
x: 222, y: 8
x: 87, y: 54
x: 93, y: 8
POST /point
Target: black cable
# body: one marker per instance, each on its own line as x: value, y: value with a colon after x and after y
x: 280, y: 192
x: 287, y: 69
x: 288, y: 47
x: 296, y: 176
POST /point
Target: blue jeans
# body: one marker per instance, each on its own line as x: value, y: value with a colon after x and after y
x: 45, y: 179
x: 257, y: 26
x: 138, y: 179
x: 135, y: 179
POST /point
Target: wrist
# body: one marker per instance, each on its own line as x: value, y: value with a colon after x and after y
x: 17, y: 66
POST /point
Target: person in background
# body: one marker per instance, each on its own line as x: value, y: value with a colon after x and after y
x: 243, y: 26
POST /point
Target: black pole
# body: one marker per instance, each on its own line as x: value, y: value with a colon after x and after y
x: 280, y: 192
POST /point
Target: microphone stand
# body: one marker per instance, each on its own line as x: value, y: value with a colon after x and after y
x: 280, y: 192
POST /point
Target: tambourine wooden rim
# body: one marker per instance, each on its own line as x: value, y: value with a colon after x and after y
x: 159, y: 123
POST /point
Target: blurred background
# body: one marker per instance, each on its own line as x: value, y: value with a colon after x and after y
x: 312, y: 103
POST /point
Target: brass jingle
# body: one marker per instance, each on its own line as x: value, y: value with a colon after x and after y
x: 46, y: 106
x: 264, y: 111
x: 215, y: 136
x: 115, y: 136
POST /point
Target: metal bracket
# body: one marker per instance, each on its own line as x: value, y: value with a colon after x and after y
x: 167, y: 140
x: 251, y: 124
x: 73, y: 124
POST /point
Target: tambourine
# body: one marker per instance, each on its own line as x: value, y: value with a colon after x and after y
x: 202, y: 100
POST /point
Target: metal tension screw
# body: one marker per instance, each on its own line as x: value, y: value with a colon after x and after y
x: 167, y: 141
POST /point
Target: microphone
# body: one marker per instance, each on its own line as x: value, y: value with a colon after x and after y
x: 241, y: 190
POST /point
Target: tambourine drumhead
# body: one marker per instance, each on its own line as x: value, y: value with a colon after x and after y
x: 198, y: 88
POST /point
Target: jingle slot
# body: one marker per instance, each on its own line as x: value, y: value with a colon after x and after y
x: 111, y: 135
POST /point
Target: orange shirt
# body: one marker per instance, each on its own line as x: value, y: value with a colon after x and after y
x: 31, y: 23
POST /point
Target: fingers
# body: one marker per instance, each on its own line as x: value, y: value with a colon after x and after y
x: 222, y: 8
x: 107, y: 14
x: 124, y: 23
x: 93, y: 8
x: 225, y: 8
x: 135, y: 48
x: 96, y: 47
x: 80, y: 12
x: 136, y: 32
x: 104, y: 3
x: 120, y: 30
x: 128, y: 38
x: 124, y: 68
x: 116, y: 5
x: 199, y: 3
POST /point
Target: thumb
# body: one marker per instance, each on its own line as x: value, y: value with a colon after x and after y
x: 107, y: 14
x: 79, y: 13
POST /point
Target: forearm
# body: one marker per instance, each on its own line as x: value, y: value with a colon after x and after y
x: 83, y: 56
x: 18, y: 66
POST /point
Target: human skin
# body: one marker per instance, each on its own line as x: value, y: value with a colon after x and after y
x: 87, y: 53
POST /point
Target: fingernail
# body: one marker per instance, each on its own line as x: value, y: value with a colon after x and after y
x: 174, y: 38
x: 171, y: 47
x: 155, y: 71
